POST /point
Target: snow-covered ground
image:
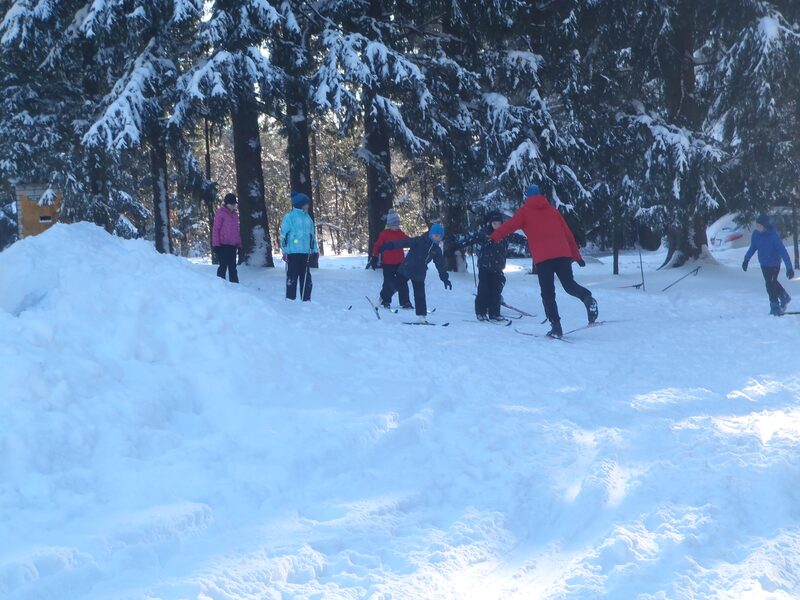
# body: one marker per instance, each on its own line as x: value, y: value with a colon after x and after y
x: 165, y: 434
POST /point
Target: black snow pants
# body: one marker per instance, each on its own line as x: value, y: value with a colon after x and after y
x: 547, y: 270
x: 227, y: 262
x: 490, y: 289
x: 297, y: 272
x: 392, y: 283
x: 775, y: 290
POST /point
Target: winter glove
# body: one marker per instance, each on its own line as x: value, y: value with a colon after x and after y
x: 447, y: 284
x: 790, y: 273
x: 581, y: 263
x: 373, y: 263
x: 744, y: 266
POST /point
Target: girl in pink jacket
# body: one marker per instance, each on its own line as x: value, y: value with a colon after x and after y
x: 226, y: 238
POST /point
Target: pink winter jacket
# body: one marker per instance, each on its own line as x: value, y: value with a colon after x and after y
x: 226, y: 228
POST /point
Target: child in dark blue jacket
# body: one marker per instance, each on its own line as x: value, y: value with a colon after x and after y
x: 771, y: 251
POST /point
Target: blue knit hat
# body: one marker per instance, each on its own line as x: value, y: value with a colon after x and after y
x: 533, y: 190
x: 436, y: 228
x: 764, y: 220
x: 299, y: 200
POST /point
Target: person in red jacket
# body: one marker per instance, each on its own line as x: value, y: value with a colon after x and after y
x: 392, y: 259
x: 553, y: 248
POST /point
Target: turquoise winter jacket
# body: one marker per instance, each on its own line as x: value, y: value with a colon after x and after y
x: 298, y: 235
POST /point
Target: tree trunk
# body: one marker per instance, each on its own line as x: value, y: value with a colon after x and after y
x: 377, y: 157
x: 317, y: 180
x: 158, y: 176
x: 256, y: 243
x: 208, y: 191
x: 455, y: 214
x: 676, y: 57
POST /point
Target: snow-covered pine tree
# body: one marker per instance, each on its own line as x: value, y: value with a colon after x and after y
x: 678, y: 169
x: 366, y: 74
x: 757, y: 107
x: 232, y: 74
x: 142, y: 41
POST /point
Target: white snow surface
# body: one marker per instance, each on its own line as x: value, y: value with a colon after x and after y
x: 165, y: 434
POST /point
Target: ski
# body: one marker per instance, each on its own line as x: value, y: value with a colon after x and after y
x: 587, y: 326
x: 425, y: 323
x: 521, y: 312
x: 495, y: 323
x: 374, y: 308
x: 541, y: 336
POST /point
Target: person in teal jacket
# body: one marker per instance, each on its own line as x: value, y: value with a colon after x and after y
x: 298, y: 243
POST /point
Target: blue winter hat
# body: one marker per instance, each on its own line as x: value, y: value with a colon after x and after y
x: 299, y: 200
x: 436, y: 228
x: 533, y: 190
x: 764, y: 220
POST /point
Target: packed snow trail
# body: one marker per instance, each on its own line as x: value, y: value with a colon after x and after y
x: 169, y: 435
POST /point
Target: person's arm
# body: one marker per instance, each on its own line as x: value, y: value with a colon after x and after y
x: 750, y: 251
x: 215, y: 230
x: 457, y: 242
x: 573, y: 245
x: 516, y: 238
x: 784, y: 255
x: 314, y: 246
x: 396, y: 244
x: 510, y: 226
x: 376, y: 248
x: 285, y: 231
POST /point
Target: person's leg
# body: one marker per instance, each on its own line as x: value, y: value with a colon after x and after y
x: 545, y: 271
x: 771, y: 283
x: 304, y: 277
x: 401, y: 286
x: 563, y: 269
x: 419, y: 298
x: 220, y: 251
x: 387, y: 290
x: 482, y: 297
x: 292, y: 273
x: 494, y: 293
x: 564, y: 272
x: 233, y: 274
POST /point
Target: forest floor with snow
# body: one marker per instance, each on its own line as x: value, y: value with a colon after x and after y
x: 165, y: 434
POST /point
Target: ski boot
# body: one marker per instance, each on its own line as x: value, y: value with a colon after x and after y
x: 591, y: 309
x: 407, y: 306
x: 555, y: 331
x: 387, y: 305
x: 482, y: 317
x: 784, y: 301
x: 498, y: 319
x: 422, y: 320
x: 775, y: 309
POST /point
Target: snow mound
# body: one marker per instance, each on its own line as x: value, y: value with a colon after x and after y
x: 165, y: 434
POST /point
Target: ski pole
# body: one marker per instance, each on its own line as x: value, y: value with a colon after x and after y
x: 474, y: 276
x: 308, y: 266
x: 641, y: 269
x: 692, y: 272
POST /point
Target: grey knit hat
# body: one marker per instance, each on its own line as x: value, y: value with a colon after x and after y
x: 392, y: 218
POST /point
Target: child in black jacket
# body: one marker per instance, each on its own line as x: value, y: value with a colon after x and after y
x: 491, y: 262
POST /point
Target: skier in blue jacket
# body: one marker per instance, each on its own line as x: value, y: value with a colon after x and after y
x: 771, y: 251
x: 298, y: 243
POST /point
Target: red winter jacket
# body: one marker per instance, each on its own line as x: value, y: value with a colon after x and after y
x: 390, y: 257
x: 547, y: 231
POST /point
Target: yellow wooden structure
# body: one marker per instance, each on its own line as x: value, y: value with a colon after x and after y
x: 33, y: 215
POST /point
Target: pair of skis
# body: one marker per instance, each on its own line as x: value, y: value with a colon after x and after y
x: 566, y: 333
x: 377, y: 312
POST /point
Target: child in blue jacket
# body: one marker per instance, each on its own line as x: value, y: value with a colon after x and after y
x: 771, y: 251
x: 298, y: 243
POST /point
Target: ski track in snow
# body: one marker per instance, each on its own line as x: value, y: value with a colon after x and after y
x: 169, y: 435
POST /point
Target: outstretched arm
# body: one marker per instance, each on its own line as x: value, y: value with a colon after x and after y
x: 396, y: 244
x: 508, y: 227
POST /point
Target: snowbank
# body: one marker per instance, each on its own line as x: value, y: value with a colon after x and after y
x: 166, y: 434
